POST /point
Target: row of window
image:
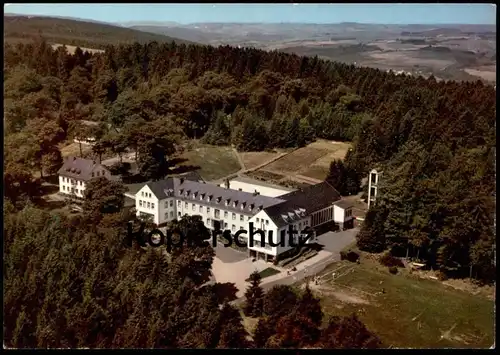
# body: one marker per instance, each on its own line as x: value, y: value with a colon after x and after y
x: 98, y: 173
x: 72, y: 189
x: 149, y: 204
x: 73, y: 181
x: 146, y: 194
x: 171, y: 214
x: 348, y: 213
x: 216, y: 211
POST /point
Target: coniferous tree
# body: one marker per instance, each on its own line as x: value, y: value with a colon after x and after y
x: 254, y: 296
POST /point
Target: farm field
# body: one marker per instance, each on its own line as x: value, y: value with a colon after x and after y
x: 413, y: 312
x: 254, y: 159
x: 295, y: 161
x: 312, y: 161
x: 213, y: 162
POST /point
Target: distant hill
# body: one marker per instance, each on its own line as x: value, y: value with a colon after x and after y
x: 23, y: 28
x: 187, y: 34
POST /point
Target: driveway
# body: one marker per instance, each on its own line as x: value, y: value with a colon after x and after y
x: 235, y: 267
x: 229, y: 255
x: 334, y: 242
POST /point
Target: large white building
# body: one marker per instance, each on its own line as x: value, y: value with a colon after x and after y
x: 76, y: 172
x: 222, y: 208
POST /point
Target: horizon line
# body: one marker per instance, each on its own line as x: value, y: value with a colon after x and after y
x: 254, y: 23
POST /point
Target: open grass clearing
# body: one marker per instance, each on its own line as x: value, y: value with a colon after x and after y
x: 213, y: 162
x: 73, y: 149
x: 412, y: 312
x: 254, y: 159
x: 71, y: 49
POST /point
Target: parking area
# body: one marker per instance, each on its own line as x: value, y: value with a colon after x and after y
x: 235, y: 267
x: 334, y: 242
x: 229, y: 255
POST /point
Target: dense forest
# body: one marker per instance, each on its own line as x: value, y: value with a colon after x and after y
x: 434, y: 142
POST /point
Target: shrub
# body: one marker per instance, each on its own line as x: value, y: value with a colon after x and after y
x: 441, y: 275
x: 388, y: 260
x: 349, y: 255
x: 393, y: 270
x: 120, y: 168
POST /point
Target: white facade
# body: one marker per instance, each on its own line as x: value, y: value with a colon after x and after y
x: 70, y: 186
x: 75, y: 186
x: 246, y: 185
x: 215, y: 216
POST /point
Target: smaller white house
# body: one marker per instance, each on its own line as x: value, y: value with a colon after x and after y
x: 75, y: 174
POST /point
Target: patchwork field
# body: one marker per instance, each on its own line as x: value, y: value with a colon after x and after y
x: 312, y: 161
x: 410, y: 312
x: 254, y: 159
x: 213, y: 162
x: 295, y: 161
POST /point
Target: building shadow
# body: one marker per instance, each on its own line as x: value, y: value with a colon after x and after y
x: 48, y: 189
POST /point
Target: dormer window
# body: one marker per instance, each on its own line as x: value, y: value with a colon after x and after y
x: 219, y: 199
x: 202, y: 196
x: 243, y: 205
x: 194, y: 194
x: 209, y: 198
x: 235, y: 203
x: 227, y: 202
x: 252, y: 206
x: 181, y: 191
x: 261, y: 207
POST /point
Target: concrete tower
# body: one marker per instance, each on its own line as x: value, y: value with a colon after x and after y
x: 373, y: 184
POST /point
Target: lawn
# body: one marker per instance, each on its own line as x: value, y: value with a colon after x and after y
x: 266, y: 273
x: 415, y: 313
x: 214, y: 162
x: 73, y: 149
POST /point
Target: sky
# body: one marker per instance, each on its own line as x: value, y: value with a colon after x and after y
x: 269, y: 13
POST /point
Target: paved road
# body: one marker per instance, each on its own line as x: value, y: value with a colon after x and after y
x: 127, y: 158
x: 336, y: 241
